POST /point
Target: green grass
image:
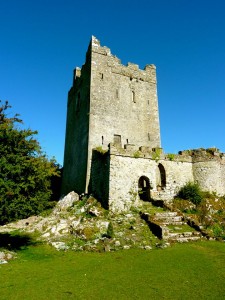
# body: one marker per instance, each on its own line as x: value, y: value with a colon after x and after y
x: 184, y: 271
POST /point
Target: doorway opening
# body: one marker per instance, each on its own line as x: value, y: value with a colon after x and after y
x: 144, y: 188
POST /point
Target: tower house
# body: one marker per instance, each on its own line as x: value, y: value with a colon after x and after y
x: 107, y: 103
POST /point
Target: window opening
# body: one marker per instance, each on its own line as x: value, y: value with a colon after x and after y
x: 117, y: 139
x: 133, y: 97
x: 117, y: 93
x: 102, y: 139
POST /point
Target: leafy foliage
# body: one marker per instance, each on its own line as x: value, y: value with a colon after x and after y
x: 25, y: 172
x: 191, y: 191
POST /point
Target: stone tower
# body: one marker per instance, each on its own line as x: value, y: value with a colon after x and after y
x: 108, y: 102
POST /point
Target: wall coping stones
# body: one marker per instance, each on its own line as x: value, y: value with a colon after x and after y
x: 192, y: 156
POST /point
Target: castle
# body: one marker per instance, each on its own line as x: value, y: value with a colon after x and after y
x: 112, y: 145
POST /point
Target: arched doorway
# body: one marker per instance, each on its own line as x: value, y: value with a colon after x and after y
x: 160, y: 177
x: 144, y: 188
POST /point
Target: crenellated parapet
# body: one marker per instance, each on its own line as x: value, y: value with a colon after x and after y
x: 131, y: 70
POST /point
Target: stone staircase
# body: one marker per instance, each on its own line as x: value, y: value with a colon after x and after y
x: 170, y: 227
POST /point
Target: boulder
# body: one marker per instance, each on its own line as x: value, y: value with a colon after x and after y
x: 66, y: 202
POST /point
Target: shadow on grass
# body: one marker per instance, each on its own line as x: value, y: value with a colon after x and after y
x: 15, y: 241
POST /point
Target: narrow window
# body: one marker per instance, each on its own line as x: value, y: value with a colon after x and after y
x: 133, y: 97
x: 149, y: 138
x: 117, y: 93
x: 101, y: 76
x: 102, y: 139
x: 127, y: 141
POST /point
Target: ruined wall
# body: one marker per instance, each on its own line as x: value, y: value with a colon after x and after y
x: 128, y: 166
x: 178, y: 173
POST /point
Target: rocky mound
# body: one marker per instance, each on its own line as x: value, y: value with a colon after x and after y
x: 82, y: 224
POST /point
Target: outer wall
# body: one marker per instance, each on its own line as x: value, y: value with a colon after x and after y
x: 126, y: 171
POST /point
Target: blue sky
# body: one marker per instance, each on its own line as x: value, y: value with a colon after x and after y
x: 42, y: 42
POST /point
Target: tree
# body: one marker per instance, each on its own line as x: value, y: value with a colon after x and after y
x: 25, y: 171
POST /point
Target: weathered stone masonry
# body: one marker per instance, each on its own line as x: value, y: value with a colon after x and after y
x: 144, y: 174
x: 114, y: 108
x: 108, y: 102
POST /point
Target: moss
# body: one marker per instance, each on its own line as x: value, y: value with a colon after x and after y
x: 137, y: 154
x: 100, y: 150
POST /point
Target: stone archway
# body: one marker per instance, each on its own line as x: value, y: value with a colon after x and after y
x: 144, y: 188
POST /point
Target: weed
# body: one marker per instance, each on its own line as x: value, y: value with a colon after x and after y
x: 133, y: 193
x: 136, y: 154
x: 171, y: 156
x: 156, y: 154
x: 110, y: 232
x: 82, y: 202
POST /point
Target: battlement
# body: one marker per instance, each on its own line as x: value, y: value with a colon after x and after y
x: 202, y: 154
x: 194, y: 155
x: 131, y: 70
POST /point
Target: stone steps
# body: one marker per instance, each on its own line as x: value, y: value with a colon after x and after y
x: 160, y: 223
x: 186, y: 239
x: 168, y: 218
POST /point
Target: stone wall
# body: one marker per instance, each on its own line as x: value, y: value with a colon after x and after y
x: 77, y: 131
x: 125, y: 172
x: 166, y: 174
x: 128, y: 166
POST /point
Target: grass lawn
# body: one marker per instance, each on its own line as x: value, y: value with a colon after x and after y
x: 184, y: 271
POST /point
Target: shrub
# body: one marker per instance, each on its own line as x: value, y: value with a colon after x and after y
x: 217, y: 230
x: 191, y: 191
